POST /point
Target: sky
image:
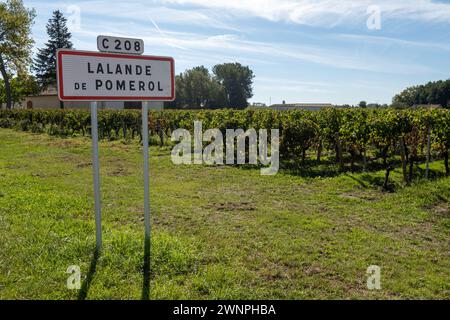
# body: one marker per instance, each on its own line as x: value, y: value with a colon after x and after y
x: 304, y: 51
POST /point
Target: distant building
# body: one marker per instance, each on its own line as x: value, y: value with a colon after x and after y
x: 300, y: 106
x: 258, y: 105
x: 48, y: 99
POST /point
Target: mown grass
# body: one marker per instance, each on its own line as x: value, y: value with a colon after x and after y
x: 217, y: 232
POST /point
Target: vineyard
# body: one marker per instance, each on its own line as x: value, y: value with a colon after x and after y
x: 352, y: 139
x: 227, y: 232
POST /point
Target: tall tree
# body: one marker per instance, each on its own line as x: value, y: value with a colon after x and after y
x: 2, y: 93
x: 59, y: 38
x: 237, y: 80
x: 196, y: 88
x: 22, y: 85
x: 15, y: 42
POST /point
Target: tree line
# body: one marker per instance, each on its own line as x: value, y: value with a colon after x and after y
x: 437, y: 92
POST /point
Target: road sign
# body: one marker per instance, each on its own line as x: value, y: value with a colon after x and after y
x: 94, y: 76
x: 120, y: 45
x: 100, y: 76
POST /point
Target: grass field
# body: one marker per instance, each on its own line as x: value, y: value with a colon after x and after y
x: 217, y: 232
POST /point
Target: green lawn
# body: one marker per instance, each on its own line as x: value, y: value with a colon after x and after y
x: 217, y: 232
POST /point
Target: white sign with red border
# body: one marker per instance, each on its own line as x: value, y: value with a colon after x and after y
x: 97, y: 76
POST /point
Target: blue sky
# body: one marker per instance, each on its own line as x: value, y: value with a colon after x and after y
x: 330, y: 51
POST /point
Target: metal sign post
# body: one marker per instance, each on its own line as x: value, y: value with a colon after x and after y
x: 96, y: 168
x: 146, y: 170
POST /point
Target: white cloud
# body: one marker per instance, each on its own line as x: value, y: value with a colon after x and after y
x: 119, y: 19
x: 387, y: 41
x: 142, y: 12
x: 285, y: 85
x: 327, y: 12
x: 231, y: 47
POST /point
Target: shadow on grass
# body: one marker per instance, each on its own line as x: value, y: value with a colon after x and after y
x: 329, y: 168
x: 146, y: 278
x: 311, y: 171
x: 368, y: 180
x: 82, y: 294
x: 432, y: 174
x: 326, y: 168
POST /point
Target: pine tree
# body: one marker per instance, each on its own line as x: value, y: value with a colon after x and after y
x: 59, y: 38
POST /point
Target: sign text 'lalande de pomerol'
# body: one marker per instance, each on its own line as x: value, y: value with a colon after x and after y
x: 95, y: 76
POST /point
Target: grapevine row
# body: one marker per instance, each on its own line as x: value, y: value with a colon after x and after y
x: 351, y: 135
